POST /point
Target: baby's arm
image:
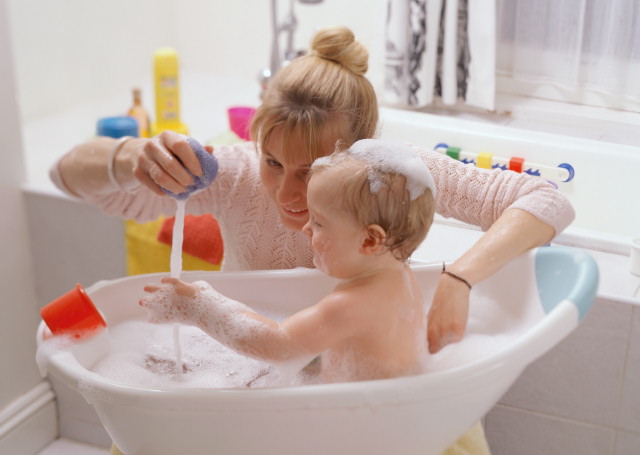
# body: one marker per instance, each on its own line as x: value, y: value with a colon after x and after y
x: 306, y: 333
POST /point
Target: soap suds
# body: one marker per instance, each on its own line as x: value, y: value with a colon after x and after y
x: 142, y: 355
x: 392, y: 156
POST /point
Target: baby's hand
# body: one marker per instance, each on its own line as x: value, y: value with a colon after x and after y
x: 181, y: 287
x: 172, y: 301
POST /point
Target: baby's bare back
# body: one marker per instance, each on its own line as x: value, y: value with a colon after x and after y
x: 389, y: 332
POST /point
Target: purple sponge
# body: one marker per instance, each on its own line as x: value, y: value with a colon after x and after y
x: 209, y: 165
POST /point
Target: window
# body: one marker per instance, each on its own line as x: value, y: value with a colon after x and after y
x: 577, y: 51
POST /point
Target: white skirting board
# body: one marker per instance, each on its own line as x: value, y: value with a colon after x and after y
x: 77, y: 419
x: 29, y: 423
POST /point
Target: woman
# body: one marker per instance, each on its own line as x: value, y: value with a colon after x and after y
x: 259, y: 195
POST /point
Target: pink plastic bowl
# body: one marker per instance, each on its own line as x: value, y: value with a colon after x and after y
x: 240, y: 120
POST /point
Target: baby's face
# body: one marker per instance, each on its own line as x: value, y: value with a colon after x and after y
x: 336, y: 238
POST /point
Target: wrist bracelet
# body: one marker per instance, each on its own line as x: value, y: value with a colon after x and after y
x: 453, y: 275
x: 112, y: 160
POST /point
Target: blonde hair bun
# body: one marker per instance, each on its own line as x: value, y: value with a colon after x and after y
x: 339, y: 45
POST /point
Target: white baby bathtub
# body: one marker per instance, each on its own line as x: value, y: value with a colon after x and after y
x: 530, y: 305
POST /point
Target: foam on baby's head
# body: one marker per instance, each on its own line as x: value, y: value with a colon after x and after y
x: 387, y: 155
x: 383, y: 183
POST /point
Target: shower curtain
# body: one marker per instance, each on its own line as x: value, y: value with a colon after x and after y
x: 442, y: 49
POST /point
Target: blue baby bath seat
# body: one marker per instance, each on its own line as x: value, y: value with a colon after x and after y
x: 566, y: 274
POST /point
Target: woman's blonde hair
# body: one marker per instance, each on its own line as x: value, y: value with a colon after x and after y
x: 324, y: 89
x: 406, y: 222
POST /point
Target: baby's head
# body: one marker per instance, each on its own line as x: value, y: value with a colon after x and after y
x: 384, y: 183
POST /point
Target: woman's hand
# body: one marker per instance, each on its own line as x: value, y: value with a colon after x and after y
x: 447, y: 318
x: 163, y: 163
x: 172, y: 301
x: 159, y: 162
x: 515, y: 232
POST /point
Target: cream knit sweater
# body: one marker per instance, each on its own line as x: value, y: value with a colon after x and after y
x: 255, y: 239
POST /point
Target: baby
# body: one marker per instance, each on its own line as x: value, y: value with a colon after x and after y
x: 370, y: 206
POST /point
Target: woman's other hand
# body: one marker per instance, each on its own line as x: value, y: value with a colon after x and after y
x: 515, y: 232
x: 447, y: 318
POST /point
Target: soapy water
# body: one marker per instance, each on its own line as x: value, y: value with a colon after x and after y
x: 139, y: 354
x: 209, y: 166
x: 177, y: 240
x: 176, y: 269
x: 142, y: 355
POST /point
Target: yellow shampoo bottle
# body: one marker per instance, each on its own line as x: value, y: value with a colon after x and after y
x: 167, y: 86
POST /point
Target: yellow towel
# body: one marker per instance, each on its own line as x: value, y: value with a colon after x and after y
x: 473, y: 442
x: 146, y: 254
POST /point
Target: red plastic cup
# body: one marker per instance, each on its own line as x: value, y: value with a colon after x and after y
x: 73, y: 314
x: 240, y: 120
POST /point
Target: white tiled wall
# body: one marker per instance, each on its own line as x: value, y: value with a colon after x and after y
x: 629, y: 414
x: 580, y: 398
x: 72, y: 243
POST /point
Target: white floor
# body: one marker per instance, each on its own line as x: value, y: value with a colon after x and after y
x: 69, y: 447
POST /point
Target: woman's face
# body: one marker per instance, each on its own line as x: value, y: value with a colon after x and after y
x: 286, y: 182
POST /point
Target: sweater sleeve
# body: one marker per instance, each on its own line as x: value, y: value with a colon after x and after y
x: 144, y: 205
x: 480, y: 196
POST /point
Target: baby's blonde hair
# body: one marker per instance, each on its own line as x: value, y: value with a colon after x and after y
x: 406, y: 222
x: 324, y: 89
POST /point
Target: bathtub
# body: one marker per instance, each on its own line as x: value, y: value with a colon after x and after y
x: 599, y: 223
x: 538, y: 299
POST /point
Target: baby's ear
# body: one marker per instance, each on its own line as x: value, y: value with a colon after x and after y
x: 374, y: 239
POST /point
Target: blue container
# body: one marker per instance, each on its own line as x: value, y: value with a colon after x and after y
x: 117, y: 127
